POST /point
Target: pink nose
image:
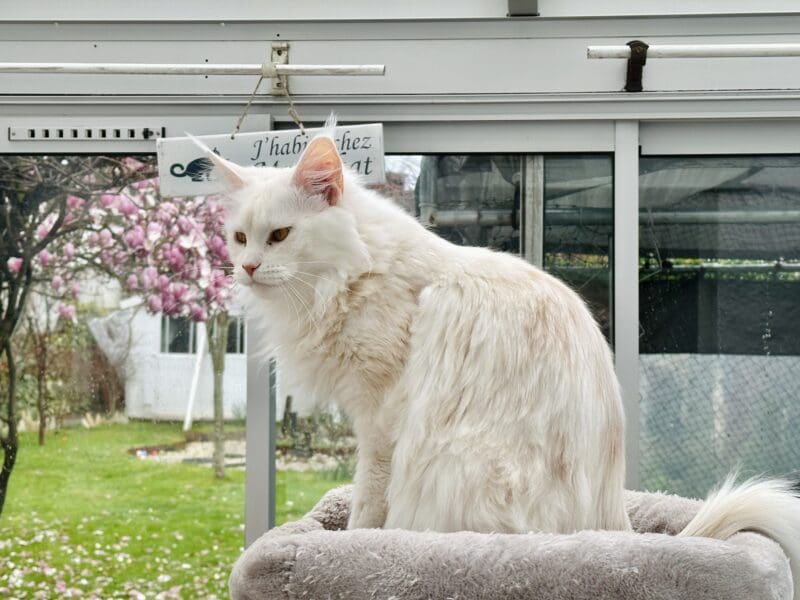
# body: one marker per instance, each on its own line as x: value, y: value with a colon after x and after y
x: 250, y: 268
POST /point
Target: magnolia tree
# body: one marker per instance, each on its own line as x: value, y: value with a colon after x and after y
x: 173, y: 255
x: 47, y: 205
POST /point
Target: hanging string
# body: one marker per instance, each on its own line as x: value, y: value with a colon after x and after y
x: 291, y: 110
x: 246, y: 108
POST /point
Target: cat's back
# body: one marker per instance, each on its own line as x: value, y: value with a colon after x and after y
x: 480, y: 280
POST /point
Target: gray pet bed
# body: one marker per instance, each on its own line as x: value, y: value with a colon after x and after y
x: 315, y: 558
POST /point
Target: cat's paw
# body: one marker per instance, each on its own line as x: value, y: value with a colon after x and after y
x: 366, y: 516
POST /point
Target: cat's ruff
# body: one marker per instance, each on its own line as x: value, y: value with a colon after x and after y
x: 482, y: 393
x: 315, y: 558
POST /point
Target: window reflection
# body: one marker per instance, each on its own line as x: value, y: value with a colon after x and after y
x: 579, y: 226
x: 720, y: 318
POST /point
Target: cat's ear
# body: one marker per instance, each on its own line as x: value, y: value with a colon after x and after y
x: 319, y: 171
x: 233, y: 176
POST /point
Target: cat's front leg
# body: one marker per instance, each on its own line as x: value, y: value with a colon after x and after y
x: 368, y: 508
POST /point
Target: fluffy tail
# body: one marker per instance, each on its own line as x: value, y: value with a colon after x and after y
x: 768, y: 506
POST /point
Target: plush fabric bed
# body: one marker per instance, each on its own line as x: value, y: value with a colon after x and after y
x: 316, y: 558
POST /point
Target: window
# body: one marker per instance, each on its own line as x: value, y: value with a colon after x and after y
x: 719, y: 286
x: 579, y: 227
x: 178, y: 335
x: 236, y: 337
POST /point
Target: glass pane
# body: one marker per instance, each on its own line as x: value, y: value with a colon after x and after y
x: 579, y: 226
x: 232, y: 342
x: 471, y: 199
x: 178, y: 335
x: 109, y: 496
x: 720, y: 319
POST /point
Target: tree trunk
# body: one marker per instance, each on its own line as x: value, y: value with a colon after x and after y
x: 10, y: 443
x: 217, y: 332
x: 41, y: 384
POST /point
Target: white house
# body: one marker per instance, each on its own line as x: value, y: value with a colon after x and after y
x: 161, y: 362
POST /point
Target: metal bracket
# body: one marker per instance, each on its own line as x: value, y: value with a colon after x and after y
x: 523, y: 8
x: 636, y: 62
x: 279, y: 56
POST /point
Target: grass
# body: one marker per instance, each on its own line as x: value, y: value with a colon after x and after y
x: 85, y: 518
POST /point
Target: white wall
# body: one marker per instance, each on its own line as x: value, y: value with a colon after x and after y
x: 157, y: 384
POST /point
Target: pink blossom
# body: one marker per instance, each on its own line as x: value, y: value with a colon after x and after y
x: 143, y: 184
x: 179, y: 291
x: 74, y: 202
x: 184, y: 224
x: 132, y: 282
x: 163, y: 282
x: 197, y: 313
x: 109, y: 200
x: 74, y: 289
x: 153, y: 231
x: 216, y: 244
x: 154, y: 303
x: 126, y: 207
x: 14, y: 264
x: 41, y: 231
x: 134, y: 238
x: 105, y: 237
x: 148, y: 277
x: 132, y: 163
x: 69, y: 251
x: 175, y: 258
x: 93, y: 238
x: 66, y: 311
x: 45, y: 258
x: 57, y: 283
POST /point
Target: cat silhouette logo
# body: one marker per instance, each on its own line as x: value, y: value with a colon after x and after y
x: 198, y: 169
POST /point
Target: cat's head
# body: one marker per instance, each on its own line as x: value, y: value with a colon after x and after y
x: 289, y: 231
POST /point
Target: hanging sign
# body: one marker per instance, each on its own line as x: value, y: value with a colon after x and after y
x: 184, y: 170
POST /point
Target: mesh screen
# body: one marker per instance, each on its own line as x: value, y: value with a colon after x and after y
x: 720, y: 319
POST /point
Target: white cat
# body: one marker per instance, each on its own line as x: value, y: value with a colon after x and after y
x: 482, y: 392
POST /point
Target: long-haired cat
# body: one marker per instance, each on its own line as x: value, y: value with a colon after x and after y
x: 482, y: 393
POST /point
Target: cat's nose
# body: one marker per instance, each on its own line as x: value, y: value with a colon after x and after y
x: 251, y: 268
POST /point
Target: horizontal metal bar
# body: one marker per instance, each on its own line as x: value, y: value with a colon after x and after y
x: 489, y: 218
x: 732, y: 268
x: 187, y: 69
x: 709, y: 267
x: 450, y: 218
x: 699, y: 51
x: 727, y: 217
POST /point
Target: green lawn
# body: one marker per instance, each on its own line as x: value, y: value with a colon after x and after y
x: 84, y: 515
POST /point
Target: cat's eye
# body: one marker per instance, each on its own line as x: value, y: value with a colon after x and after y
x: 240, y: 237
x: 278, y: 235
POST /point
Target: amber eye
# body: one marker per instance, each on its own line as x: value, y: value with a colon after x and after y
x: 240, y: 237
x: 278, y: 235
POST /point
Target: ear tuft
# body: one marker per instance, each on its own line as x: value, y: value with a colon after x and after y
x: 232, y: 174
x: 319, y: 171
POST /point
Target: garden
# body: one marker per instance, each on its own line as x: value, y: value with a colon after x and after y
x: 85, y: 517
x: 94, y: 504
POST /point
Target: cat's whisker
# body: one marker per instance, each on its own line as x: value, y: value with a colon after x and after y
x: 317, y: 276
x: 290, y: 301
x: 322, y: 303
x: 305, y: 305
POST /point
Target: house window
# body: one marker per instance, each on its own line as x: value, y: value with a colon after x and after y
x: 178, y: 335
x: 235, y: 336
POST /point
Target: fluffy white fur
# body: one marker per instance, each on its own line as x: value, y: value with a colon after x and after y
x: 481, y: 390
